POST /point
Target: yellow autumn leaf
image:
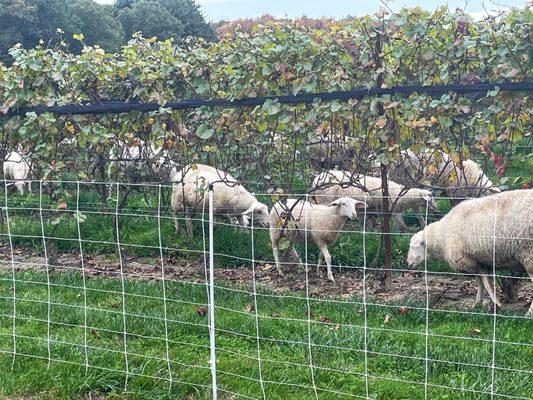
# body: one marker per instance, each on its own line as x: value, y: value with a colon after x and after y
x: 455, y: 158
x: 69, y: 127
x: 78, y: 36
x: 432, y: 170
x: 150, y: 121
x: 452, y: 178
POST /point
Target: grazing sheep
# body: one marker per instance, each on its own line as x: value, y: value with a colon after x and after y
x: 18, y: 168
x: 320, y: 224
x: 230, y: 198
x: 465, y: 238
x: 328, y: 154
x: 436, y: 168
x: 341, y: 154
x: 140, y: 162
x: 333, y: 184
x: 472, y: 182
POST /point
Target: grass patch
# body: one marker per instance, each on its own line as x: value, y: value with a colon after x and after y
x: 396, y: 367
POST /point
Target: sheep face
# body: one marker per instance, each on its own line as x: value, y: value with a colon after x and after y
x: 427, y: 196
x: 417, y: 249
x: 346, y: 206
x: 260, y: 212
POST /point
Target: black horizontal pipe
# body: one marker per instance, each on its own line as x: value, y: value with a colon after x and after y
x: 118, y: 107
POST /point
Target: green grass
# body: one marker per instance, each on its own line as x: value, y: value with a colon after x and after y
x: 139, y: 233
x: 396, y: 367
x: 395, y: 360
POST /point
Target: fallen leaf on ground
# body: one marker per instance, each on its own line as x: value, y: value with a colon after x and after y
x: 387, y: 319
x: 403, y: 310
x: 324, y: 319
x: 201, y: 311
x: 267, y: 267
x: 249, y: 308
x: 475, y: 331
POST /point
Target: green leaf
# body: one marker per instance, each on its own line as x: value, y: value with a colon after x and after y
x: 204, y: 132
x: 283, y: 244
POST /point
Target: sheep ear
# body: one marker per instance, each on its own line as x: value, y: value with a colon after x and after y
x: 418, y: 239
x: 360, y: 204
x: 249, y: 211
x: 335, y: 203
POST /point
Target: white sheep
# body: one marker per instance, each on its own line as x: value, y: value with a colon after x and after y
x: 18, y: 168
x: 230, y: 198
x: 333, y: 184
x: 471, y: 181
x: 436, y: 168
x: 320, y: 224
x: 140, y: 161
x: 475, y: 231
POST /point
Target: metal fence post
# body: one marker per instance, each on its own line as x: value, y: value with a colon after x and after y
x: 212, y: 294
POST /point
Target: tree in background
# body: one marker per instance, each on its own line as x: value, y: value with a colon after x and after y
x: 29, y: 21
x: 163, y: 18
x: 188, y: 12
x: 17, y: 17
x: 150, y: 17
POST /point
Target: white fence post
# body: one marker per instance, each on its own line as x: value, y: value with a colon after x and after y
x: 212, y: 294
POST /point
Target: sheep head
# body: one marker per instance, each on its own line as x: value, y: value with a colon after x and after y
x: 346, y: 206
x: 427, y: 196
x: 417, y: 249
x: 258, y: 213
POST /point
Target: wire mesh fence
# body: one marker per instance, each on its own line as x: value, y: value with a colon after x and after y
x: 119, y: 290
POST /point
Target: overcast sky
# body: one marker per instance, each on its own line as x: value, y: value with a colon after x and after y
x: 215, y: 10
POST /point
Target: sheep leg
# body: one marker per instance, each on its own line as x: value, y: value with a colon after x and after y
x: 509, y: 288
x: 320, y: 260
x: 402, y: 226
x: 188, y: 223
x: 324, y: 250
x: 277, y: 256
x: 491, y: 290
x: 527, y: 262
x: 29, y: 186
x: 422, y: 219
x: 243, y: 223
x: 20, y: 187
x: 176, y: 221
x: 479, y: 294
x: 296, y: 256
